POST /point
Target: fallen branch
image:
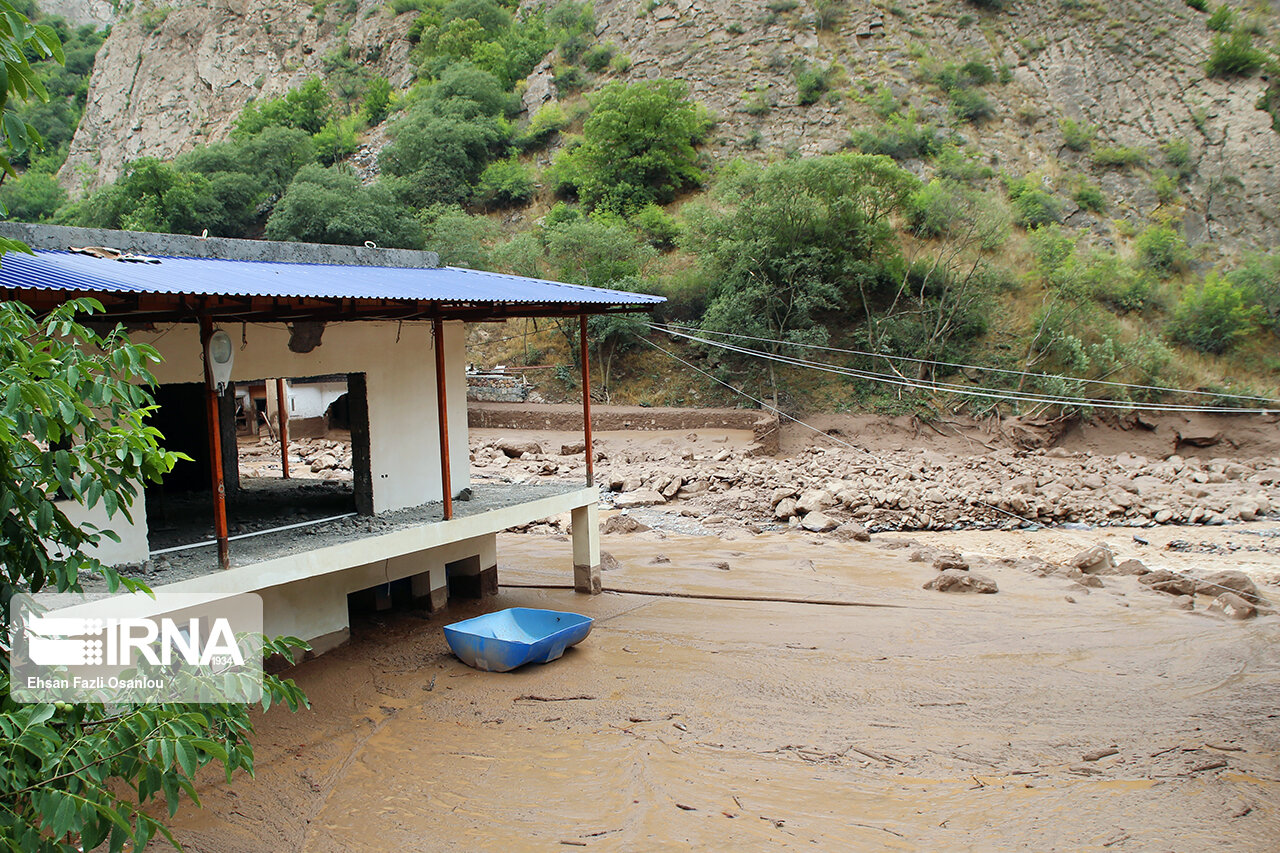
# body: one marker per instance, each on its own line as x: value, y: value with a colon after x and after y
x: 533, y: 697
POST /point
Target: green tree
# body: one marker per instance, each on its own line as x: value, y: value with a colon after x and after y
x: 1258, y: 277
x: 18, y: 37
x: 151, y: 196
x: 460, y: 238
x: 639, y: 146
x: 73, y: 424
x: 1214, y: 318
x: 793, y: 241
x: 35, y: 198
x: 307, y: 108
x: 331, y: 206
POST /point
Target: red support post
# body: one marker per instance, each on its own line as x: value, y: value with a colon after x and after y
x: 282, y: 414
x: 442, y: 416
x: 215, y: 451
x: 586, y: 399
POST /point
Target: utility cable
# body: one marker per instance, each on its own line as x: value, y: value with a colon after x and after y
x: 978, y: 391
x: 662, y: 327
x: 1032, y: 525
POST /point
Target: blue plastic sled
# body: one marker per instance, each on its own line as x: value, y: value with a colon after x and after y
x: 502, y: 641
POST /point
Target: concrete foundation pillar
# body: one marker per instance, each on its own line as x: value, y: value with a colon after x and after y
x: 470, y: 578
x: 586, y: 549
x: 430, y: 589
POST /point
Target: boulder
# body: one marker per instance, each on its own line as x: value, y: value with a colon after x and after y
x: 953, y: 580
x: 818, y: 522
x: 851, y: 530
x: 573, y: 449
x: 1231, y: 580
x: 1232, y: 606
x: 1184, y: 602
x: 608, y: 562
x: 779, y: 494
x: 1097, y: 560
x: 640, y: 497
x: 814, y: 500
x: 515, y: 448
x: 949, y: 560
x: 1166, y: 581
x: 1132, y: 567
x: 785, y: 509
x: 622, y: 524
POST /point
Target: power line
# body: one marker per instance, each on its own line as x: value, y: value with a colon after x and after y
x: 964, y: 499
x: 971, y: 391
x: 663, y: 327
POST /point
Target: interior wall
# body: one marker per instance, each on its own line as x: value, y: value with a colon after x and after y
x: 398, y: 361
x: 132, y: 547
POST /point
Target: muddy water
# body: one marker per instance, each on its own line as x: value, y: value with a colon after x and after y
x: 934, y: 723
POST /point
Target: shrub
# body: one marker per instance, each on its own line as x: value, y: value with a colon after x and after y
x: 1198, y: 5
x: 1165, y: 187
x: 1177, y: 153
x: 1214, y: 317
x: 1077, y: 136
x: 1033, y: 205
x: 597, y: 58
x: 756, y: 102
x: 657, y: 226
x: 1222, y: 19
x: 969, y: 105
x: 331, y: 206
x: 620, y: 64
x: 505, y: 183
x: 545, y: 123
x: 307, y: 108
x: 460, y: 238
x: 1259, y: 279
x: 964, y: 166
x: 336, y: 140
x: 901, y: 137
x: 1119, y: 156
x: 811, y: 82
x: 1234, y: 56
x: 441, y: 155
x: 377, y: 101
x: 1090, y: 197
x: 827, y: 14
x: 1161, y: 250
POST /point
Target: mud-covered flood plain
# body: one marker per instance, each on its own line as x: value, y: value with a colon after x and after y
x: 886, y: 718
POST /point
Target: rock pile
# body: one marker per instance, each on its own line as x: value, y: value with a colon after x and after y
x: 315, y: 458
x: 822, y: 488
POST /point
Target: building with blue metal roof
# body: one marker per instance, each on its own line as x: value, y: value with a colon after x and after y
x: 391, y: 322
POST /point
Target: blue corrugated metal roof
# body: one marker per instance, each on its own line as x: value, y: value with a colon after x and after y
x: 50, y: 270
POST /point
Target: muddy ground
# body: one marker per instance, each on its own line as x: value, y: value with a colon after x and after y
x: 1052, y: 715
x: 1015, y: 721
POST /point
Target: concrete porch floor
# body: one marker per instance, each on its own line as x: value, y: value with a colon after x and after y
x: 304, y: 575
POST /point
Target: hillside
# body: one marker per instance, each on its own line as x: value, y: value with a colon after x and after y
x: 1080, y: 190
x: 175, y: 76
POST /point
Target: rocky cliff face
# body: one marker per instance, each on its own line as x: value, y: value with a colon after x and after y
x: 170, y: 78
x: 1133, y: 69
x: 98, y: 13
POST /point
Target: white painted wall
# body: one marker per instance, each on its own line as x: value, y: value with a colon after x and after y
x: 312, y: 399
x: 404, y: 441
x: 132, y: 547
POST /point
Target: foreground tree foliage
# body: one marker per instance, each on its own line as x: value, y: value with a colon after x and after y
x: 73, y: 427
